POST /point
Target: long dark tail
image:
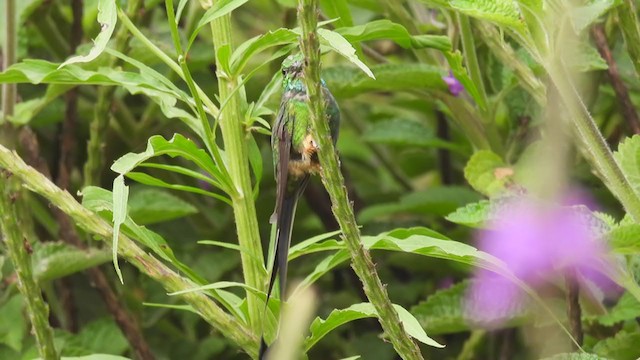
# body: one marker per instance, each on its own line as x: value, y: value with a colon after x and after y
x: 284, y: 226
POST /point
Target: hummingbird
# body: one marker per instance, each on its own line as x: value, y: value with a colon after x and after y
x: 295, y: 157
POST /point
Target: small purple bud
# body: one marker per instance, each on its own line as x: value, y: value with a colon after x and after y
x: 455, y: 87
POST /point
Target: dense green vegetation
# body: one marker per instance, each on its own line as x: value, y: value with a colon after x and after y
x: 482, y: 202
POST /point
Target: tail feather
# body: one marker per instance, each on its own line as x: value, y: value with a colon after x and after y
x: 284, y: 227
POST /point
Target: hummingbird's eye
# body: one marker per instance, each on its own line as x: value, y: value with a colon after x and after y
x: 284, y: 72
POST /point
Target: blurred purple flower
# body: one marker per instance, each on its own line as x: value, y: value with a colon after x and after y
x: 455, y: 87
x: 536, y: 244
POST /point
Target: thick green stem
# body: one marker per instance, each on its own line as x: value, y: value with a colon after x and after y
x: 102, y: 112
x: 235, y: 142
x: 334, y: 182
x: 627, y: 14
x: 15, y: 220
x: 228, y: 326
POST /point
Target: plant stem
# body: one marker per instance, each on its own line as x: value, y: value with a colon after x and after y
x: 627, y: 13
x: 334, y: 182
x: 15, y: 221
x: 230, y: 327
x: 594, y: 144
x: 234, y: 136
x: 17, y: 240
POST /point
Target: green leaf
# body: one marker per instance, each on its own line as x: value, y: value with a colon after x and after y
x: 502, y: 12
x: 120, y: 197
x: 483, y: 173
x: 151, y: 206
x: 320, y: 327
x: 401, y: 132
x: 627, y: 308
x: 147, y: 83
x: 472, y: 215
x: 219, y: 8
x: 337, y: 9
x: 53, y: 260
x: 443, y: 312
x: 107, y: 18
x: 27, y: 110
x: 99, y: 336
x: 386, y: 29
x: 93, y: 357
x: 583, y: 16
x: 339, y: 44
x: 347, y: 82
x: 12, y: 326
x: 623, y: 346
x: 583, y: 57
x: 253, y: 46
x: 628, y: 156
x: 625, y: 239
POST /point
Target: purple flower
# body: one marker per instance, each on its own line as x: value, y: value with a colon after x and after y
x: 537, y: 243
x: 455, y: 87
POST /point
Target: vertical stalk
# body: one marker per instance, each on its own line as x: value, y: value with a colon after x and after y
x: 14, y: 218
x: 234, y: 137
x: 334, y: 182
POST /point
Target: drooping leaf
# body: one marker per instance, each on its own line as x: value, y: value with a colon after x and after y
x: 339, y: 44
x: 320, y: 327
x: 53, y: 260
x: 120, y: 198
x: 487, y: 173
x: 107, y: 17
x: 151, y: 206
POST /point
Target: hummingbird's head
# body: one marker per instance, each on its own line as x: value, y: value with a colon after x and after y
x: 292, y: 66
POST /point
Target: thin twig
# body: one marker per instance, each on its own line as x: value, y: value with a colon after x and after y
x: 622, y: 93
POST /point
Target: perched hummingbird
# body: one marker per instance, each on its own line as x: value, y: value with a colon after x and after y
x: 295, y: 156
